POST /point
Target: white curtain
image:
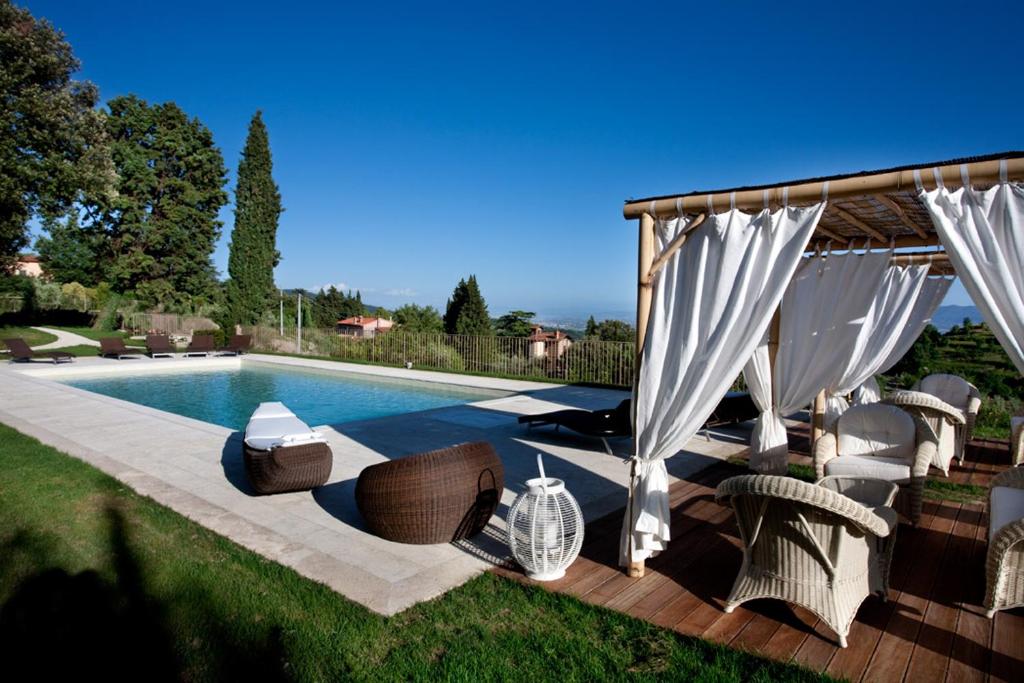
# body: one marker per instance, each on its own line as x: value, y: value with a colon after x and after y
x: 712, y: 304
x: 895, y: 297
x: 823, y: 310
x: 932, y: 293
x: 983, y: 233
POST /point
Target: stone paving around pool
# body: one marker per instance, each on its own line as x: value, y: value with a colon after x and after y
x: 195, y: 468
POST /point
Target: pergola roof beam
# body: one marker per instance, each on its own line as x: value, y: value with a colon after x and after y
x: 859, y: 224
x: 901, y: 214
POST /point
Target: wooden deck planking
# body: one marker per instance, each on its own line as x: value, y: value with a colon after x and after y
x: 931, y: 627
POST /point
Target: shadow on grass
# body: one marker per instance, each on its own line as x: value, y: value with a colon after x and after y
x: 56, y: 625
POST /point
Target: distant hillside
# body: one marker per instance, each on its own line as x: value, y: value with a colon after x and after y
x: 948, y: 316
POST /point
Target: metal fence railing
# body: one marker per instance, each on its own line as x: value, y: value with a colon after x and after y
x: 590, y: 361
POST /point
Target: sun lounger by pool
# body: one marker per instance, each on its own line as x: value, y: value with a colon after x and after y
x: 114, y: 347
x: 239, y: 344
x: 21, y: 352
x: 201, y: 345
x: 159, y: 345
x: 282, y: 453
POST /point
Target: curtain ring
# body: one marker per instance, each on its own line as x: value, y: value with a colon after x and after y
x: 824, y: 192
x: 965, y: 176
x: 652, y: 208
x: 711, y: 206
x: 1002, y: 170
x: 732, y: 201
x: 785, y: 197
x: 679, y: 206
x: 764, y: 199
x: 938, y: 178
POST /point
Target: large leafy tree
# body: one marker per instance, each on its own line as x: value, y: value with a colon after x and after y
x: 51, y: 137
x: 253, y: 253
x: 69, y: 253
x: 413, y: 318
x: 162, y: 225
x: 515, y: 324
x: 466, y: 312
x: 332, y: 305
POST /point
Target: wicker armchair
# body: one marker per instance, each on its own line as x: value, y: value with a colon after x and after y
x: 882, y: 442
x: 943, y: 419
x: 281, y: 453
x: 435, y: 497
x: 808, y: 545
x: 959, y: 393
x: 1004, y: 563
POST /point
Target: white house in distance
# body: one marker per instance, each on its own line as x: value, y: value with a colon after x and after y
x: 363, y: 327
x: 548, y: 344
x: 28, y: 264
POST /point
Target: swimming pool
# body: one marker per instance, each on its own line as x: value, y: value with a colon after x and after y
x: 227, y: 397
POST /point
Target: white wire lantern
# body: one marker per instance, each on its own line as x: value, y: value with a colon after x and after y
x: 545, y: 527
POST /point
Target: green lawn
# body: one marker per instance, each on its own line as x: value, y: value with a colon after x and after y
x: 94, y: 578
x: 31, y: 337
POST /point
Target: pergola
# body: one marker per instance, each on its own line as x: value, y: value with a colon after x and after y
x: 881, y: 208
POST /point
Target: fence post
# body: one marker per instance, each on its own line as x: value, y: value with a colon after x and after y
x: 298, y: 328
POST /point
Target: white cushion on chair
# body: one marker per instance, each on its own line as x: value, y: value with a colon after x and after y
x: 873, y: 466
x: 877, y: 429
x: 271, y: 409
x: 952, y: 389
x: 1006, y: 505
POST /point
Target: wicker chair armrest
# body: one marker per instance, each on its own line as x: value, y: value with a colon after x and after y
x: 825, y: 448
x: 1007, y: 537
x: 927, y: 445
x: 788, y: 488
x: 1011, y: 478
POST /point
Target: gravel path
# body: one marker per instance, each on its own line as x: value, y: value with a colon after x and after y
x: 64, y: 339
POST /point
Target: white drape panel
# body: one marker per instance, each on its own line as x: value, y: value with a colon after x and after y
x: 983, y: 233
x: 932, y: 293
x: 824, y: 307
x: 895, y: 297
x: 769, y: 445
x: 712, y: 303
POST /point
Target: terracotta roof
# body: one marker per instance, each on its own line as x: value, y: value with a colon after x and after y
x: 365, y: 322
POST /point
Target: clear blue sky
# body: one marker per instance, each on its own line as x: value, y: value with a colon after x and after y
x: 417, y: 144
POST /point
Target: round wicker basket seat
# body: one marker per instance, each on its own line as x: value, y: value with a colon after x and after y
x: 434, y: 497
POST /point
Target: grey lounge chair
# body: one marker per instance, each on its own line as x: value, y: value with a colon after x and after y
x: 21, y: 352
x: 959, y: 393
x: 808, y: 545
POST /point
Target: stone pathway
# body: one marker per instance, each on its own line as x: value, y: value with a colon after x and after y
x: 64, y: 339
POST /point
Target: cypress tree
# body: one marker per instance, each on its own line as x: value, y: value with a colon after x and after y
x: 254, y: 252
x: 466, y: 312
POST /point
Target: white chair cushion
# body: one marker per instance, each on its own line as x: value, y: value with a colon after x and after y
x: 952, y: 389
x: 271, y: 409
x: 1006, y: 505
x: 874, y: 466
x: 270, y: 432
x: 877, y: 429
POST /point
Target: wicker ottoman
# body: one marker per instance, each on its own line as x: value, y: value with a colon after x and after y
x: 288, y: 468
x: 435, y: 497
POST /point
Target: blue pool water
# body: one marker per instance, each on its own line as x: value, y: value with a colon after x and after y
x: 228, y: 397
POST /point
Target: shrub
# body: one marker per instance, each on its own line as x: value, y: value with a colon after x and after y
x: 219, y: 336
x: 994, y: 416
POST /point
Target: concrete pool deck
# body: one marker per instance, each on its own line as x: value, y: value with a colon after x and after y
x: 195, y: 468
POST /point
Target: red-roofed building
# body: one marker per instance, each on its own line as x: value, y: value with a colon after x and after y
x: 28, y: 264
x: 546, y: 343
x: 363, y: 326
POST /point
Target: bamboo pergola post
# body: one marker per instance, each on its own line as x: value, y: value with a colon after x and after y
x: 817, y: 418
x: 644, y: 297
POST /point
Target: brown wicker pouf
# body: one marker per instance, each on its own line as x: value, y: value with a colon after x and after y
x: 288, y: 468
x: 434, y: 497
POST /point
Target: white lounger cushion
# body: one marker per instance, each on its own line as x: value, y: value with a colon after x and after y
x: 264, y: 432
x: 1006, y: 505
x: 874, y: 466
x: 877, y: 429
x: 271, y: 409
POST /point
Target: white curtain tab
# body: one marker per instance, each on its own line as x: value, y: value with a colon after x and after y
x: 712, y: 303
x: 983, y: 233
x: 933, y: 291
